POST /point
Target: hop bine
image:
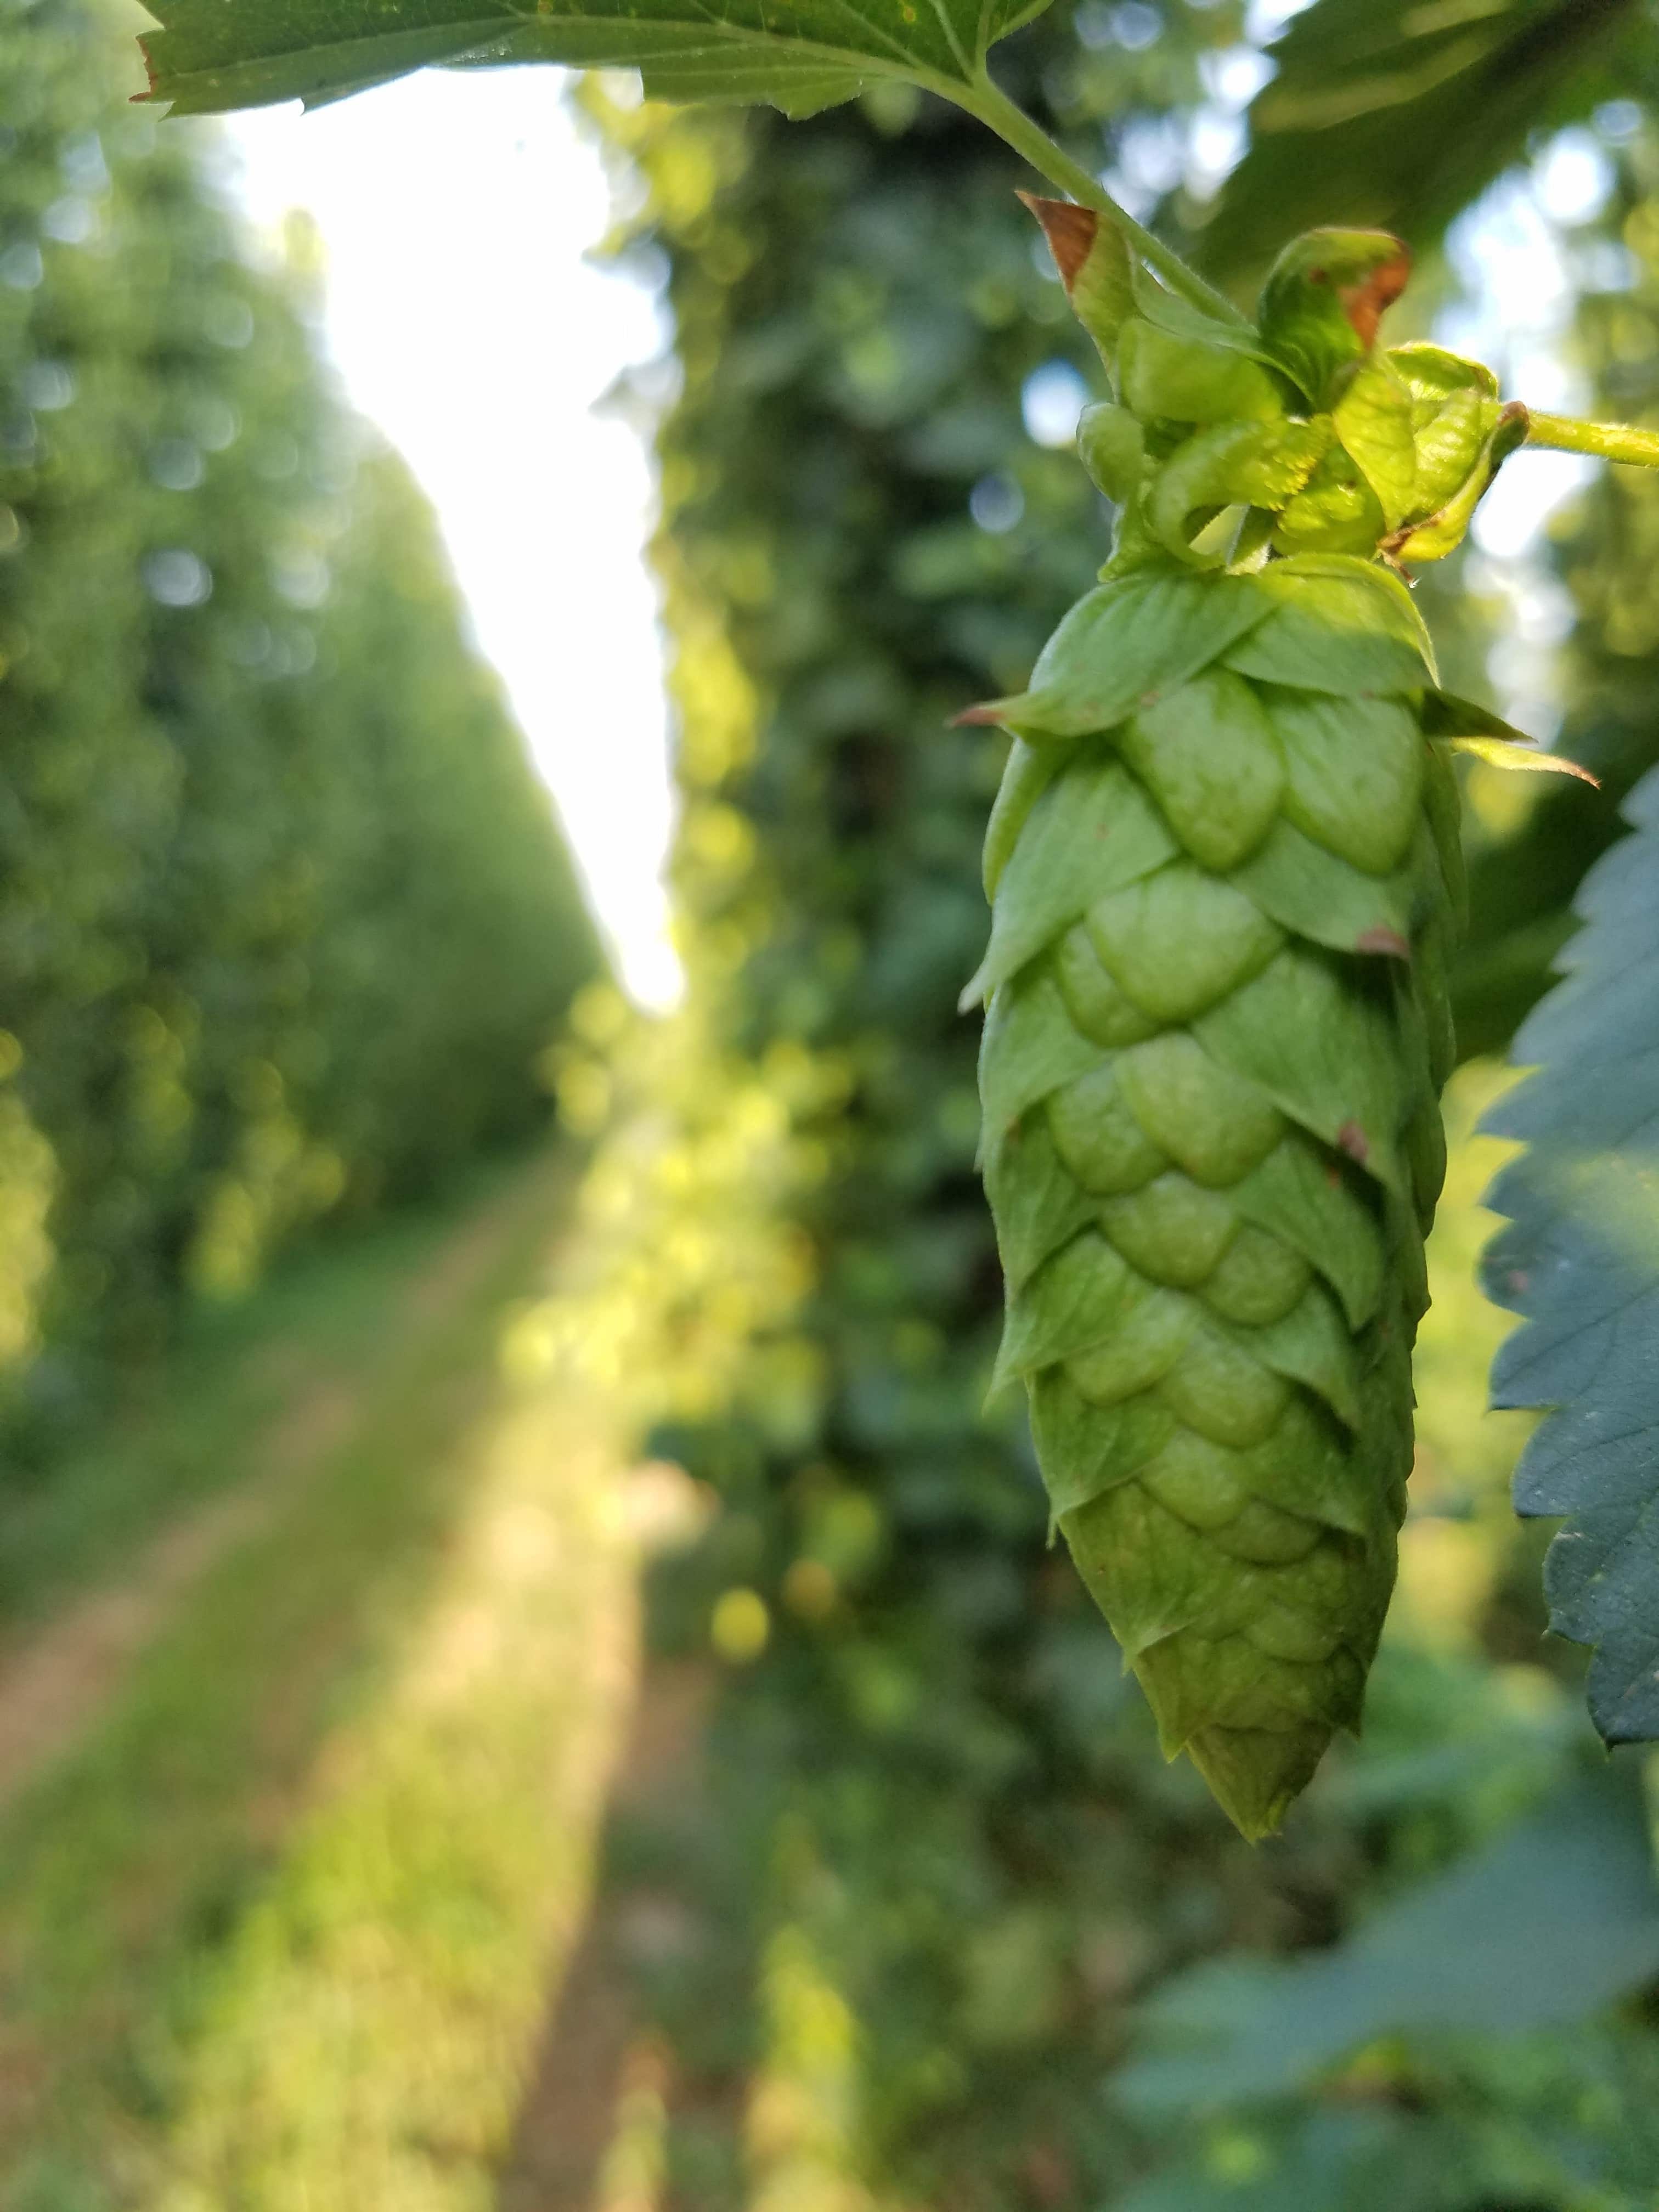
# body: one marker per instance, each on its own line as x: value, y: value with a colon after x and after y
x: 1224, y: 875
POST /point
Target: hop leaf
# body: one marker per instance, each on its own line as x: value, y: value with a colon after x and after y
x: 209, y: 57
x: 1386, y: 111
x: 1580, y: 1260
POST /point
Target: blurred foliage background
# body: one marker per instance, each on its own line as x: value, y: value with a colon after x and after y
x: 255, y: 778
x: 897, y: 1905
x: 953, y: 1934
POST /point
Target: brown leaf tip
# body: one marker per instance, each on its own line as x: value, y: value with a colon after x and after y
x: 1069, y: 229
x: 986, y: 714
x: 1366, y: 303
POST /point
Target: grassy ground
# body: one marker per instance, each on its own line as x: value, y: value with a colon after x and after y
x: 279, y: 1906
x: 188, y: 1425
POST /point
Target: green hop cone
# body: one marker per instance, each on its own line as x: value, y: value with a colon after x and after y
x: 1216, y: 1037
x: 1224, y: 873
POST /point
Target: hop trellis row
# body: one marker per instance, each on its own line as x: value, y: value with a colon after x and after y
x: 1225, y: 875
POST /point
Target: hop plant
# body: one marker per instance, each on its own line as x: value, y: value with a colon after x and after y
x: 1224, y: 875
x: 1224, y: 868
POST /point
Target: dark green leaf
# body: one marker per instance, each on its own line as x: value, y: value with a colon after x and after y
x: 1372, y: 2159
x: 1580, y: 1260
x: 209, y: 56
x: 1552, y: 1921
x: 1386, y: 111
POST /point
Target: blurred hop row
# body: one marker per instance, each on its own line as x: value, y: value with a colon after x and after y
x: 255, y: 780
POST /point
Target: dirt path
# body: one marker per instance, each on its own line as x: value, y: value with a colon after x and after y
x: 54, y: 1680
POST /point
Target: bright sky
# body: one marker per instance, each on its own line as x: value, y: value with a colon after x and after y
x: 456, y: 211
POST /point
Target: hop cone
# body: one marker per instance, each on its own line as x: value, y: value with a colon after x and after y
x: 1224, y: 868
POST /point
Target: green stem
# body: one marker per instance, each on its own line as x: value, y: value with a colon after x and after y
x: 994, y: 108
x: 1610, y: 441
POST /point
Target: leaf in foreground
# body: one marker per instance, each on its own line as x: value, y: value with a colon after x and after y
x: 1444, y: 1960
x: 1388, y: 113
x: 209, y: 57
x: 1580, y: 1260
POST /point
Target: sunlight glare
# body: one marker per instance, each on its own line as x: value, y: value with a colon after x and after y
x: 455, y: 211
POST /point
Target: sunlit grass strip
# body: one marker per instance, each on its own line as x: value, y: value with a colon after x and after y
x: 635, y: 2168
x: 125, y: 1870
x: 803, y: 2130
x: 371, y: 2031
x: 327, y: 1318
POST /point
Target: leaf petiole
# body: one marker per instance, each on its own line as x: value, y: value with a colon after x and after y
x: 993, y: 107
